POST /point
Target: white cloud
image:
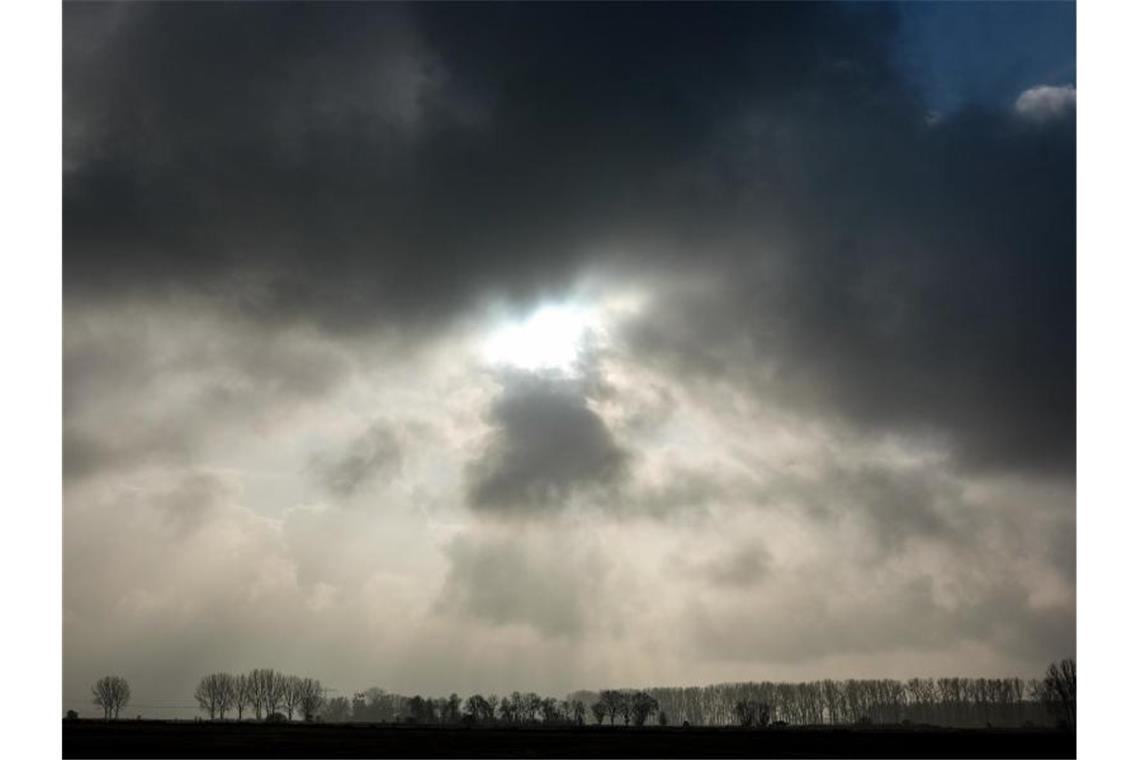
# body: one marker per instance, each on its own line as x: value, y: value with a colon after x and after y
x: 1045, y: 102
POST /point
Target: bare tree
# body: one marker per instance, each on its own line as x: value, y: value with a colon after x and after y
x: 338, y: 710
x: 642, y: 705
x: 242, y: 697
x: 217, y: 693
x: 1060, y: 687
x: 263, y: 691
x: 599, y: 710
x: 478, y: 709
x: 207, y: 694
x: 274, y: 692
x: 112, y: 693
x: 613, y: 702
x: 227, y: 693
x: 548, y: 709
x: 745, y: 711
x: 508, y: 707
x: 291, y: 694
x: 312, y: 698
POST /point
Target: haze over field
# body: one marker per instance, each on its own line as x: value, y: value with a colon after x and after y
x: 542, y: 347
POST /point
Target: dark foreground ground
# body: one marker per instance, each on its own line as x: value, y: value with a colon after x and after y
x: 88, y: 738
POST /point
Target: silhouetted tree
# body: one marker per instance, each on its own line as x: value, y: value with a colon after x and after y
x: 376, y: 705
x: 263, y: 695
x: 1060, y: 687
x: 227, y: 693
x: 625, y: 706
x: 751, y: 712
x: 419, y: 709
x: 112, y: 693
x: 548, y: 710
x: 452, y: 709
x: 614, y: 702
x: 492, y: 706
x: 241, y: 697
x: 209, y: 694
x: 478, y: 709
x: 338, y: 710
x: 274, y: 691
x: 662, y: 718
x: 641, y: 705
x: 599, y: 710
x: 743, y: 710
x: 435, y: 709
x: 291, y: 694
x: 311, y: 699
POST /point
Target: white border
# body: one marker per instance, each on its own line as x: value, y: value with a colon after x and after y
x: 1108, y: 378
x: 31, y: 62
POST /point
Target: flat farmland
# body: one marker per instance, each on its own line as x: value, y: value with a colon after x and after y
x: 184, y: 739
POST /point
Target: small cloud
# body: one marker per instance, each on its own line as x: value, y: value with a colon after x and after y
x: 1046, y: 102
x: 376, y: 453
x: 547, y: 443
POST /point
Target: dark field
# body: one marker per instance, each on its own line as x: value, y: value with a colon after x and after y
x: 187, y: 739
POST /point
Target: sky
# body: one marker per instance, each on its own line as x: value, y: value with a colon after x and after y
x: 545, y: 347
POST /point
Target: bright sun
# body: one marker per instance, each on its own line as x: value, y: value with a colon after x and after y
x: 549, y: 339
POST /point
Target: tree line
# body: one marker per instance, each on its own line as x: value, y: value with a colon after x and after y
x: 265, y: 694
x: 378, y: 706
x: 960, y: 702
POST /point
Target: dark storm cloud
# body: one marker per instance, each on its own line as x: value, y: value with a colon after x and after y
x: 925, y: 286
x: 546, y: 445
x: 375, y: 454
x: 358, y: 162
x: 379, y: 165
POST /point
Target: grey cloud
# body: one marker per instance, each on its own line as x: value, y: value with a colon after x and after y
x: 546, y: 445
x: 505, y: 580
x: 193, y: 500
x: 86, y: 453
x: 152, y: 383
x: 805, y: 623
x: 377, y: 453
x: 892, y: 502
x: 684, y: 490
x: 742, y: 567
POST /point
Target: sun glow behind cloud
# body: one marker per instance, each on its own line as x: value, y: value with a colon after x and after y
x: 550, y: 338
x: 554, y: 336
